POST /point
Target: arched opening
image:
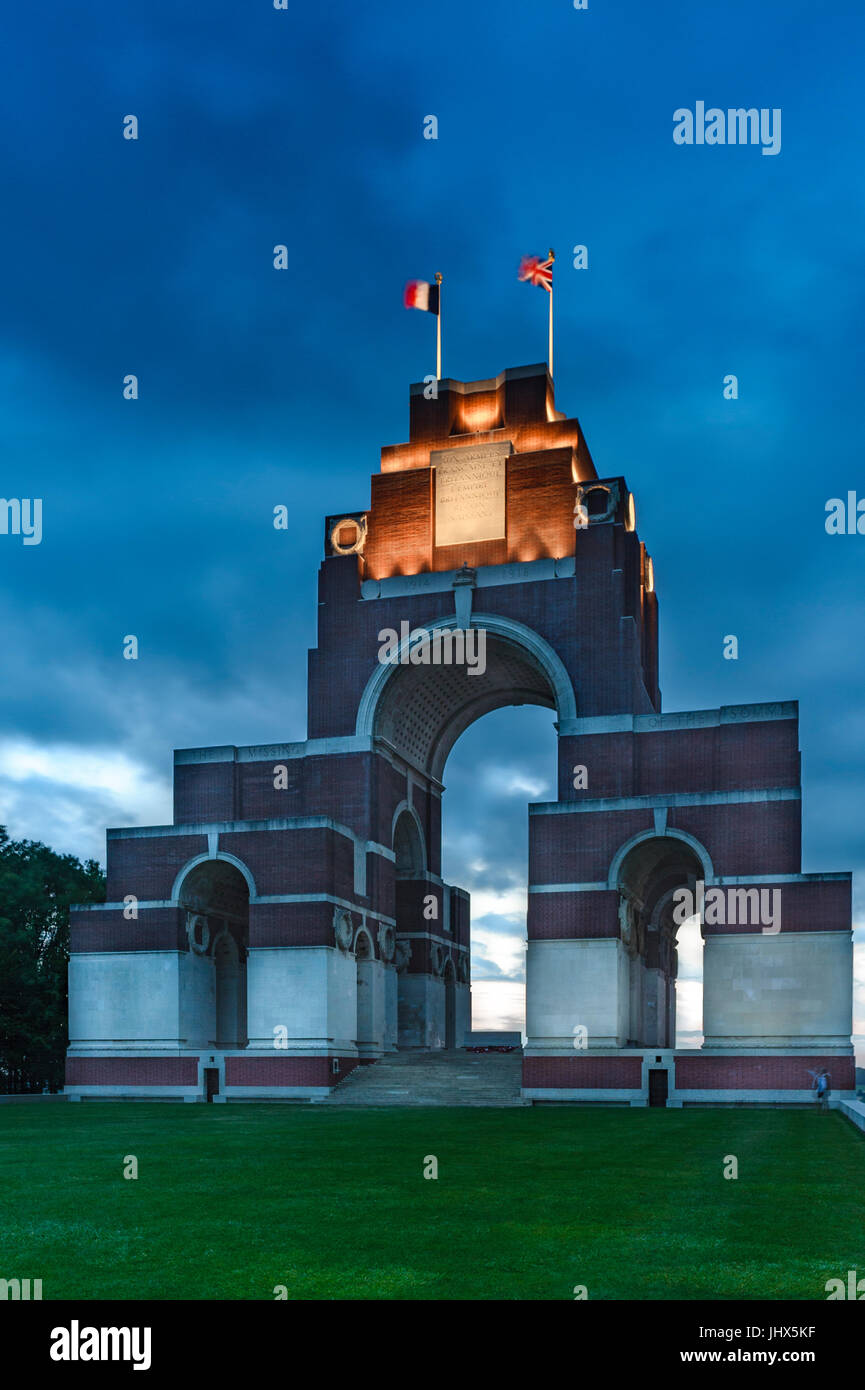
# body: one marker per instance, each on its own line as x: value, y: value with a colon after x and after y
x: 419, y: 711
x: 648, y: 879
x: 213, y: 1005
x: 408, y: 846
x: 416, y: 713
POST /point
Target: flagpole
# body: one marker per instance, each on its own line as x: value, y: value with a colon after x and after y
x: 439, y: 329
x: 552, y: 258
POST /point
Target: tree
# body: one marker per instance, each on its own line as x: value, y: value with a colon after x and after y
x: 36, y: 889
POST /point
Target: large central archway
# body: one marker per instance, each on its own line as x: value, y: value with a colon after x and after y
x: 416, y: 713
x: 419, y: 711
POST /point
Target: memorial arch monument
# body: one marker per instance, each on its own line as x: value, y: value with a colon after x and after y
x: 292, y: 923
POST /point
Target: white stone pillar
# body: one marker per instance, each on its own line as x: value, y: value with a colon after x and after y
x: 311, y: 991
x: 577, y: 984
x: 653, y: 1016
x: 391, y: 1026
x: 370, y: 1007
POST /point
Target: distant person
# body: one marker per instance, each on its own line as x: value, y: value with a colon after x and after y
x: 822, y: 1090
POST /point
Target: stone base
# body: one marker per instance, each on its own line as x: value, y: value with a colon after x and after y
x: 694, y: 1077
x: 246, y: 1075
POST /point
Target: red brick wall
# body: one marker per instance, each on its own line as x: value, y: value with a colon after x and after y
x: 338, y: 786
x: 761, y: 1073
x: 399, y: 539
x: 259, y: 799
x: 734, y: 757
x: 584, y: 1073
x: 579, y: 847
x: 567, y: 916
x: 410, y: 894
x: 293, y: 924
x: 737, y: 757
x: 131, y: 1071
x: 759, y: 837
x: 204, y: 792
x: 157, y: 929
x: 817, y: 906
x: 285, y: 1071
x: 741, y: 838
x: 148, y: 865
x: 608, y: 760
x: 541, y: 494
x: 295, y: 861
x: 460, y: 918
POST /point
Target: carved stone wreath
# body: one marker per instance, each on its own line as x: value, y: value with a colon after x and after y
x: 355, y: 546
x: 612, y: 491
x: 437, y: 958
x: 463, y: 968
x: 197, y: 933
x: 386, y: 942
x: 402, y: 956
x: 629, y: 918
x: 343, y: 929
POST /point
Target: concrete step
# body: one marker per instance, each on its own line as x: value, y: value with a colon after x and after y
x: 434, y: 1078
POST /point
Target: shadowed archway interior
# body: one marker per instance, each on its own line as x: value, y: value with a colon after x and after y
x: 215, y: 897
x: 648, y: 878
x: 423, y: 709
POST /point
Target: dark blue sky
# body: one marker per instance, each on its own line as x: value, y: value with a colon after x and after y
x: 257, y: 387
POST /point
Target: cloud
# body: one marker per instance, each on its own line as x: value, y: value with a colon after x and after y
x: 514, y: 781
x: 498, y: 1006
x: 498, y: 952
x: 66, y: 795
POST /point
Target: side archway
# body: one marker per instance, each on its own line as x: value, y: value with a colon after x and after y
x: 214, y: 894
x: 646, y: 873
x: 222, y: 858
x: 409, y: 845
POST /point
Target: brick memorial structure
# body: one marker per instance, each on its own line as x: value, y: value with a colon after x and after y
x: 292, y: 923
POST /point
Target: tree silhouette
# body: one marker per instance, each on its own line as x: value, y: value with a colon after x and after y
x: 36, y: 889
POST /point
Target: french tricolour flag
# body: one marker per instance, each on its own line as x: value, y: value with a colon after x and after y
x: 419, y: 294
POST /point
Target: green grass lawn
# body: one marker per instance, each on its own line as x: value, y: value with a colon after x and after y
x: 231, y: 1201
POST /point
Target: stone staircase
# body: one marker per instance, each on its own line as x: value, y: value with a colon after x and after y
x: 434, y: 1078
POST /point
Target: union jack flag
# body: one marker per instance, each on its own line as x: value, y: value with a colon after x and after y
x: 537, y: 272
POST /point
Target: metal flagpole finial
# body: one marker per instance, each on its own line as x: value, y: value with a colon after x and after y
x: 438, y: 277
x: 552, y: 254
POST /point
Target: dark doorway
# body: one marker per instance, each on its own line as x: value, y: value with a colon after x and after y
x: 211, y: 1082
x: 657, y: 1086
